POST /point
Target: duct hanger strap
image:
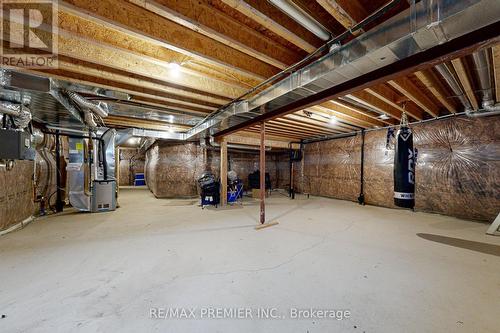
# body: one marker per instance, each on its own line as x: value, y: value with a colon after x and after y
x: 404, y: 117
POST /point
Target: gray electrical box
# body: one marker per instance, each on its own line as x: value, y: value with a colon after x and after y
x: 16, y: 145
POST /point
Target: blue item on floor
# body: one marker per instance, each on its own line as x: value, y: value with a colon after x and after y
x: 139, y: 179
x: 236, y: 193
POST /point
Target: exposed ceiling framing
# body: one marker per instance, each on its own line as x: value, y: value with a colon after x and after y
x: 191, y: 57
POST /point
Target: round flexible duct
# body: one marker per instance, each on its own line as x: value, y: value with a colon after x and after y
x: 98, y: 108
x: 21, y: 113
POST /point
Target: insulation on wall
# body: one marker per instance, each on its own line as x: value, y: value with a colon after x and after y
x: 16, y: 194
x: 172, y: 169
x: 131, y: 163
x: 332, y: 169
x: 457, y: 171
x: 45, y: 175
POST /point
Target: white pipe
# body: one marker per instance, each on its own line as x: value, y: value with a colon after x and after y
x: 302, y: 18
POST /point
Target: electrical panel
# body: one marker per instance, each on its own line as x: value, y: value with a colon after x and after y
x: 16, y: 145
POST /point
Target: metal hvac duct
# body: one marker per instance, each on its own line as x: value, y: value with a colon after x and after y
x: 302, y: 18
x: 422, y: 26
x: 21, y: 113
x: 483, y: 68
x: 454, y: 85
x: 98, y: 108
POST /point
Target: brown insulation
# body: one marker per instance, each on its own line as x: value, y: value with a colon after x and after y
x: 172, y: 169
x: 457, y: 171
x: 16, y: 194
x: 45, y: 176
x: 131, y: 163
x: 332, y: 169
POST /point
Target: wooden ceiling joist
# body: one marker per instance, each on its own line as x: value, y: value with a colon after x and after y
x: 74, y: 46
x: 132, y: 90
x: 464, y: 80
x: 261, y: 12
x: 102, y: 33
x: 432, y: 83
x: 323, y: 116
x: 144, y: 123
x: 300, y: 127
x: 273, y: 124
x: 407, y: 88
x: 199, y: 16
x: 496, y: 70
x: 187, y: 95
x: 306, y: 122
x: 139, y: 22
x: 268, y: 136
x: 376, y: 104
x: 244, y: 138
x: 459, y: 46
x: 387, y: 95
x: 276, y: 132
x: 353, y: 115
x: 332, y: 7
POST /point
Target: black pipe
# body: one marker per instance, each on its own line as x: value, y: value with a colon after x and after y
x: 104, y: 159
x: 334, y: 137
x: 361, y: 198
x: 59, y: 201
x: 290, y: 190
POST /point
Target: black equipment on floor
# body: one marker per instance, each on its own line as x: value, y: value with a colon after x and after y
x: 210, y: 190
x: 254, y: 180
x: 404, y: 168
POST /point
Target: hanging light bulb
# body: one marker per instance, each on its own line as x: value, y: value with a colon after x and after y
x: 171, y: 119
x: 174, y: 69
x: 333, y: 120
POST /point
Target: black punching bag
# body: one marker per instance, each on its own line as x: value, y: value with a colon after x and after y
x: 404, y: 169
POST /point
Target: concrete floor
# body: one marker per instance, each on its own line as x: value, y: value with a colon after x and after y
x: 391, y: 269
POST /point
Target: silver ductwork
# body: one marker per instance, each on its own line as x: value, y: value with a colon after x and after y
x: 455, y: 86
x: 483, y: 69
x: 66, y: 102
x: 422, y: 26
x: 99, y: 108
x: 89, y: 118
x: 302, y: 18
x: 21, y: 113
x: 37, y: 138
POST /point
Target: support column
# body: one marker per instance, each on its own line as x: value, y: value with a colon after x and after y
x: 223, y: 172
x: 262, y: 172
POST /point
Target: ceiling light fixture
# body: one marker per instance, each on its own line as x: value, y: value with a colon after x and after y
x: 174, y: 69
x: 171, y: 119
x: 333, y: 120
x: 383, y: 117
